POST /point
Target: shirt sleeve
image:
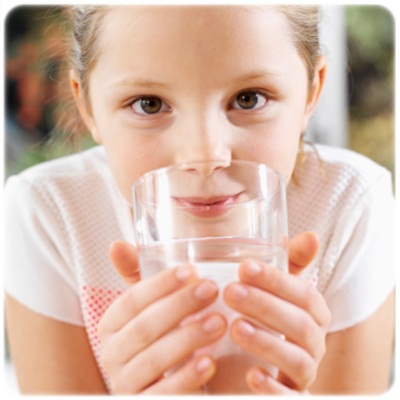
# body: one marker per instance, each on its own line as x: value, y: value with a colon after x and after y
x: 364, y: 274
x: 38, y: 272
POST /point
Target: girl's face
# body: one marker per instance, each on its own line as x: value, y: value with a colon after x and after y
x: 184, y: 84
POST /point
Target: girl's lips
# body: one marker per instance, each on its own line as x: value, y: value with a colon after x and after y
x: 207, y: 207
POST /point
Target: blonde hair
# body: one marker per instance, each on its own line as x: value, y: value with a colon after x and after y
x: 86, y: 29
x: 304, y: 22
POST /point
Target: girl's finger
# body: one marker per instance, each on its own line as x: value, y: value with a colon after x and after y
x: 302, y: 250
x: 297, y: 325
x: 168, y: 352
x: 261, y: 382
x: 125, y: 260
x: 294, y: 362
x: 187, y: 380
x: 142, y: 294
x: 287, y: 287
x: 141, y: 331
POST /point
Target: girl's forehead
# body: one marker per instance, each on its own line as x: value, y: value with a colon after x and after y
x: 194, y: 11
x: 202, y: 26
x: 194, y: 45
x: 193, y: 17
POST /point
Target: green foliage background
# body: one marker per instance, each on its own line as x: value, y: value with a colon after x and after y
x: 371, y: 80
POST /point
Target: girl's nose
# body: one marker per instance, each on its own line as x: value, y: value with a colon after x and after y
x: 206, y: 168
x: 205, y: 148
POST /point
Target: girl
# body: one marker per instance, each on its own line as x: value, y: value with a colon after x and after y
x: 165, y: 85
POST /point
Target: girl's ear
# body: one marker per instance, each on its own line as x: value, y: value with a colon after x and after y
x: 81, y: 103
x: 315, y: 90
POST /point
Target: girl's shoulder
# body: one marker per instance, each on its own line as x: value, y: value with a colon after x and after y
x: 342, y: 196
x: 334, y: 184
x: 338, y: 169
x: 65, y: 180
x: 344, y: 157
x: 91, y: 161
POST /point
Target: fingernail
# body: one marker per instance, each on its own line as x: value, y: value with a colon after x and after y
x: 237, y: 293
x: 257, y: 377
x: 204, y: 364
x: 252, y: 268
x: 245, y: 329
x: 183, y: 273
x: 205, y: 290
x: 213, y: 324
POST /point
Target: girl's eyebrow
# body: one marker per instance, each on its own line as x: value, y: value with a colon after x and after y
x: 258, y: 75
x: 146, y: 83
x: 149, y: 83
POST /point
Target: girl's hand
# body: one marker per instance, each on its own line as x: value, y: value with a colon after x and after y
x: 289, y: 305
x: 142, y: 340
x: 121, y: 357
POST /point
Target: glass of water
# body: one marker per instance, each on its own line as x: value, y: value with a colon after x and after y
x: 213, y: 216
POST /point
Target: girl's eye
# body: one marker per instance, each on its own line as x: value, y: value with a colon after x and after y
x: 249, y: 100
x: 149, y: 105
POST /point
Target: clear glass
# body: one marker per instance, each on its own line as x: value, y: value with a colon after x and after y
x: 214, y: 217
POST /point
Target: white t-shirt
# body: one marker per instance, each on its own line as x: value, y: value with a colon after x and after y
x: 61, y: 217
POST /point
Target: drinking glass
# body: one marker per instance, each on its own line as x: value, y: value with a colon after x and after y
x: 213, y: 216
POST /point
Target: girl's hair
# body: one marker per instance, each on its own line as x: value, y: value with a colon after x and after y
x: 304, y: 22
x: 85, y: 31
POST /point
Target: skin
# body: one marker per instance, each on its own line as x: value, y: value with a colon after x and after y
x: 198, y: 123
x: 201, y: 119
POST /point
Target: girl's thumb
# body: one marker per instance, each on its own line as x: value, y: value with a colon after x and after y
x: 124, y: 257
x: 302, y: 250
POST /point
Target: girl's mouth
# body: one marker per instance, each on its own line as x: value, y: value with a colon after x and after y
x: 208, y: 207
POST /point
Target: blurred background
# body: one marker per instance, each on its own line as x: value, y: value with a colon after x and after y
x: 356, y: 110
